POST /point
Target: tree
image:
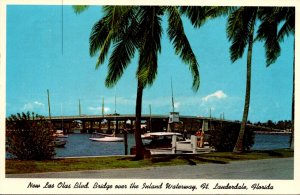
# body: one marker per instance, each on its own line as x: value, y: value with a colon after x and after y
x: 240, y: 32
x: 138, y: 28
x: 29, y: 137
x: 223, y: 138
x: 271, y: 20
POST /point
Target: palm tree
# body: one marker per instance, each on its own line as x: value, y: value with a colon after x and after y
x: 138, y: 28
x: 271, y: 19
x: 240, y: 31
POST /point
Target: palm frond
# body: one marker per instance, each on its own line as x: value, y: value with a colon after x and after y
x: 238, y: 27
x: 289, y: 26
x: 181, y: 44
x: 98, y: 36
x: 118, y: 62
x: 196, y: 14
x: 107, y: 30
x: 267, y: 32
x: 79, y: 8
x: 150, y: 33
x: 124, y: 49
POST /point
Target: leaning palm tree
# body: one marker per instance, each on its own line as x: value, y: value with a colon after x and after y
x: 272, y: 19
x: 131, y: 29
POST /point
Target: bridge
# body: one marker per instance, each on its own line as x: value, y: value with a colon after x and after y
x: 116, y: 122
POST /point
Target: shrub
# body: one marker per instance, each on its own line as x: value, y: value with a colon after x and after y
x: 224, y: 138
x: 29, y: 137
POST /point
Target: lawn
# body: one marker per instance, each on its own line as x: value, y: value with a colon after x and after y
x: 98, y: 163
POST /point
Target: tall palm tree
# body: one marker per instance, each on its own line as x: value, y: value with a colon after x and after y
x: 272, y: 19
x: 240, y: 31
x: 138, y: 28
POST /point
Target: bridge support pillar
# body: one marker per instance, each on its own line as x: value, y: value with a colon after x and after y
x: 108, y: 126
x: 99, y: 127
x: 83, y: 127
x: 117, y: 127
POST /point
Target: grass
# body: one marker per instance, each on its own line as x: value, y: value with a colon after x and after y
x: 98, y: 163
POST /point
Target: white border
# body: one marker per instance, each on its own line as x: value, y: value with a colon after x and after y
x: 18, y: 186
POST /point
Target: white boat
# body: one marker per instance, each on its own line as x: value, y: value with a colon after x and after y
x: 107, y: 139
x: 58, y: 143
x: 160, y: 134
x: 102, y: 137
x: 159, y: 142
x: 170, y: 143
x: 60, y: 134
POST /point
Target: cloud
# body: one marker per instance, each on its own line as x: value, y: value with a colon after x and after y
x: 98, y: 109
x: 32, y: 106
x: 176, y: 104
x: 217, y: 95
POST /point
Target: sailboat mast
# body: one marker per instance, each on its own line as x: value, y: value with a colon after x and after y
x: 49, y: 104
x: 62, y: 120
x: 150, y: 121
x: 79, y: 108
x: 172, y: 95
x: 115, y: 100
x: 102, y: 106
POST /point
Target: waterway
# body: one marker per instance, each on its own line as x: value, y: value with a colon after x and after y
x: 80, y: 145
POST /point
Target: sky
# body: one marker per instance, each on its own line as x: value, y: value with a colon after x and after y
x: 48, y: 48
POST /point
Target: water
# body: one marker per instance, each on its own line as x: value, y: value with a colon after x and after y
x: 271, y: 142
x: 80, y: 145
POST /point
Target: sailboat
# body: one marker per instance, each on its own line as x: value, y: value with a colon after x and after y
x: 60, y: 133
x: 103, y: 137
x: 57, y: 142
x: 174, y: 116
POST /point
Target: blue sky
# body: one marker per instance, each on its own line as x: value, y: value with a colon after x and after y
x: 44, y: 53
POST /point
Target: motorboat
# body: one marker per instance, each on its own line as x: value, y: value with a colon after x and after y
x: 170, y: 143
x: 60, y: 134
x: 58, y: 142
x: 102, y: 137
x: 159, y: 142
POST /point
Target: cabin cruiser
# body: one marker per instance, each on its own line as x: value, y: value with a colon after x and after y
x: 159, y: 142
x: 170, y: 143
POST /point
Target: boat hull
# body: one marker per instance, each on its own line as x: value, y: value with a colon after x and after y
x: 59, y: 143
x: 107, y: 139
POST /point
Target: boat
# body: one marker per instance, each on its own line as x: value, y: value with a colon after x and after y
x: 102, y: 137
x: 170, y: 143
x: 159, y: 142
x: 107, y: 139
x: 60, y: 134
x: 58, y: 142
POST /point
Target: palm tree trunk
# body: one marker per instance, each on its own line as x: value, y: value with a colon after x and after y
x: 138, y: 112
x: 293, y: 103
x: 239, y: 146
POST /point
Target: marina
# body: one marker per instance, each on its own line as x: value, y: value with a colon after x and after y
x: 79, y: 145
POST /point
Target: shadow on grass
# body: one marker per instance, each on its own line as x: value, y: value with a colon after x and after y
x: 210, y: 160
